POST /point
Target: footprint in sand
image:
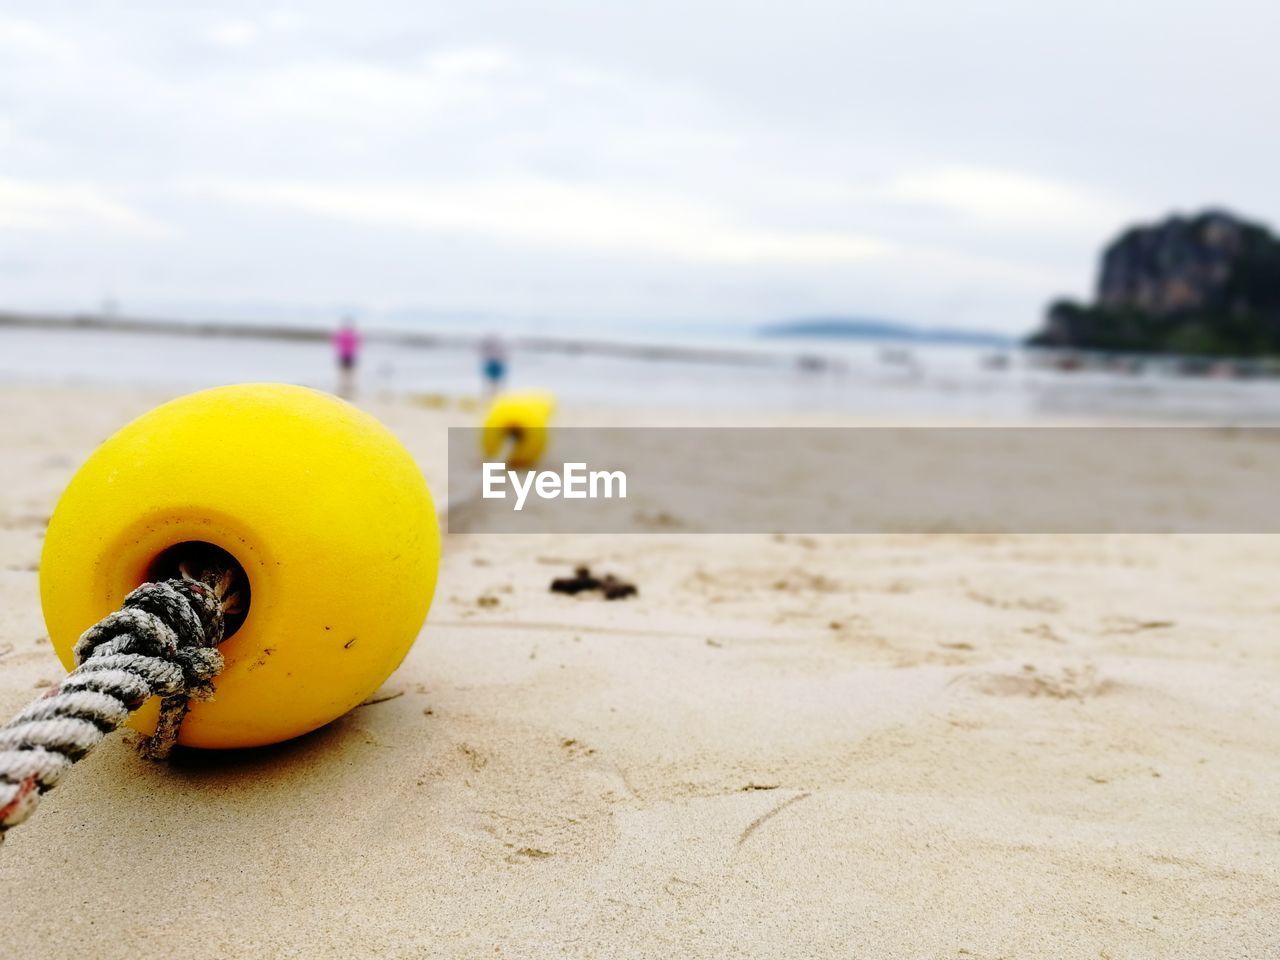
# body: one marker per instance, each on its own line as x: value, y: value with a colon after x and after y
x: 1062, y: 682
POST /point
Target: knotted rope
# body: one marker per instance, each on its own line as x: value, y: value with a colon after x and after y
x: 162, y: 642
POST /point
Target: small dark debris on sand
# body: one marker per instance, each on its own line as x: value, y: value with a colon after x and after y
x: 582, y: 580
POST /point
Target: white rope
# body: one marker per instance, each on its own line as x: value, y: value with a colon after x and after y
x: 163, y: 642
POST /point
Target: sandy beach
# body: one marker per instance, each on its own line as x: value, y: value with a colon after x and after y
x: 808, y: 746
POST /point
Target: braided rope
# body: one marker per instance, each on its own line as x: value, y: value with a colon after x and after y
x: 163, y: 642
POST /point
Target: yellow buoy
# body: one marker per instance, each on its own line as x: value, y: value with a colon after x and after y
x: 517, y: 421
x: 321, y: 507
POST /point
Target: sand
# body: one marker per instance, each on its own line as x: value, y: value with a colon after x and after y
x: 880, y: 746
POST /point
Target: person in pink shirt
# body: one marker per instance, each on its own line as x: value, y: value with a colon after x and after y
x: 346, y: 349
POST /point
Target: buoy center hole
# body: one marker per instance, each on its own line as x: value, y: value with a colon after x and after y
x: 214, y: 566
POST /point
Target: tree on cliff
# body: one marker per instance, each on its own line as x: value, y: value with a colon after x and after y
x: 1207, y: 285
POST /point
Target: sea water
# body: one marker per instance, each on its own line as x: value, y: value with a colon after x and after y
x: 754, y: 375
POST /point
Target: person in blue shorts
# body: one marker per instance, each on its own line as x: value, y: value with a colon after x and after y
x: 493, y: 363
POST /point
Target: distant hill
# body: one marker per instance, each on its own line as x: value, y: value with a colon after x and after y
x: 855, y: 328
x: 1206, y: 285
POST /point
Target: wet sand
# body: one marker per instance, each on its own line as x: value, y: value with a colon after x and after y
x: 886, y: 746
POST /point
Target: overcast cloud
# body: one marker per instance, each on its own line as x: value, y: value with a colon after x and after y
x: 654, y: 162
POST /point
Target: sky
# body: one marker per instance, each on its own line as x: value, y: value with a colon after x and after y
x: 643, y: 166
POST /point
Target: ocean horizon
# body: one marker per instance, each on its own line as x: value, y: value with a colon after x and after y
x: 746, y: 372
